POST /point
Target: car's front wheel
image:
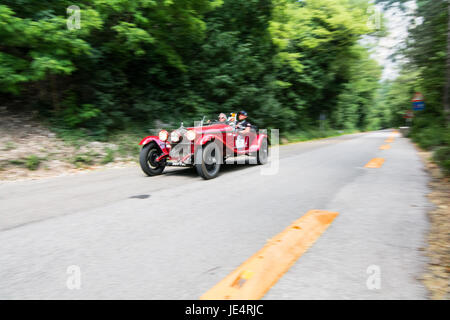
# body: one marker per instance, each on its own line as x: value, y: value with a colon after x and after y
x: 208, y: 161
x: 147, y: 159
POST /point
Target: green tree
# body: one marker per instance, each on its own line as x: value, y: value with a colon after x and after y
x: 286, y: 62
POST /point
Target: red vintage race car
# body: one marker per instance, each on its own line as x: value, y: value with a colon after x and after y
x: 205, y: 147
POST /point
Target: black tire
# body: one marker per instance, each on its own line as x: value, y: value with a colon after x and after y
x: 208, y: 161
x: 262, y: 154
x: 146, y: 159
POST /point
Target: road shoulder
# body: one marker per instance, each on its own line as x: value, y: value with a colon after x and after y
x: 437, y: 276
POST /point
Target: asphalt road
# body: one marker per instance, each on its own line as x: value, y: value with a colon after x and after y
x: 175, y: 236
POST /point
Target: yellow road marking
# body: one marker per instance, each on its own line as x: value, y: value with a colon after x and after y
x: 375, y: 163
x: 260, y: 272
x: 389, y: 140
x: 385, y: 147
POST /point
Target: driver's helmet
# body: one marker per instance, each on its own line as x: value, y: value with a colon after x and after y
x: 244, y: 113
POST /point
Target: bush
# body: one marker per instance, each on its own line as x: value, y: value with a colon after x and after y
x: 17, y: 162
x: 442, y: 157
x: 32, y: 162
x: 82, y: 159
x: 109, y: 157
x: 431, y: 132
x: 429, y: 137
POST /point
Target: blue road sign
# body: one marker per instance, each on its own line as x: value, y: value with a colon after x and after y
x: 418, y: 105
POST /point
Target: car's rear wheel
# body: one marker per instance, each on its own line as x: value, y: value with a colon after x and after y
x: 208, y: 160
x: 262, y: 154
x: 147, y: 159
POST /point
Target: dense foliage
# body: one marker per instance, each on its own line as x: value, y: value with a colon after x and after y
x: 428, y: 72
x: 134, y: 61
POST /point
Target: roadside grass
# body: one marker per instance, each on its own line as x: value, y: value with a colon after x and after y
x: 8, y: 146
x: 31, y: 162
x: 109, y: 157
x: 127, y: 142
x: 442, y: 156
x: 83, y: 160
x: 434, y: 137
x: 73, y: 137
x: 313, y: 134
x: 17, y: 162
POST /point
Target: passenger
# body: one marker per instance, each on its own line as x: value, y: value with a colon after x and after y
x: 222, y: 117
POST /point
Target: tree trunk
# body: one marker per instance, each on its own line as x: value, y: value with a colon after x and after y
x: 55, y: 96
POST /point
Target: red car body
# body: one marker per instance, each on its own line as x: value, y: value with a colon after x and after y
x: 190, y: 152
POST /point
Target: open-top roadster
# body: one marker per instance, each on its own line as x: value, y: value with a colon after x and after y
x: 205, y: 147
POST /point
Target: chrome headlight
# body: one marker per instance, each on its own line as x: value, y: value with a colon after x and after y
x: 190, y: 135
x: 174, y: 136
x: 163, y: 135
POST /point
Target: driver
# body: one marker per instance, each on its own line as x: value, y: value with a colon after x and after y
x: 243, y: 126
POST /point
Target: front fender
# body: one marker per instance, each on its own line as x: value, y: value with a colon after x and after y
x: 161, y: 144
